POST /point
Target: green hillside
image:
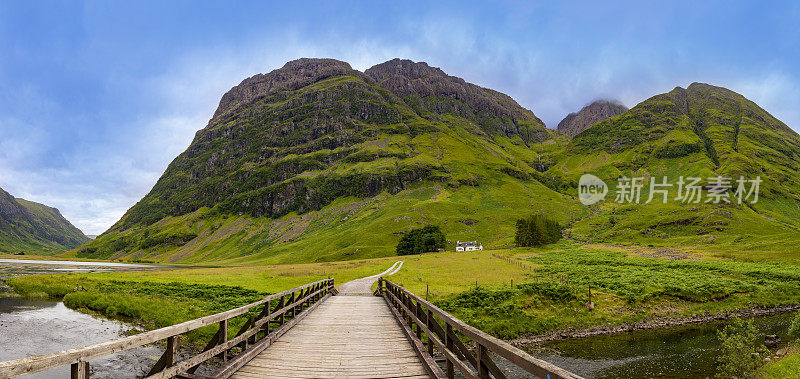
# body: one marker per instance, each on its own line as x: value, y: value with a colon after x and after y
x: 316, y: 161
x: 28, y: 227
x: 701, y: 131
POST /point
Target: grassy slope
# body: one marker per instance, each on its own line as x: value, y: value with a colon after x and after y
x: 703, y: 131
x: 353, y: 228
x: 45, y: 232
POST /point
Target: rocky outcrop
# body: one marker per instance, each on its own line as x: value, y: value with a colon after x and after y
x: 293, y: 75
x: 430, y: 90
x: 589, y: 115
x: 280, y: 142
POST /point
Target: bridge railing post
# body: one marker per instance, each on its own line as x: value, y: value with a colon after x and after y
x: 223, y: 337
x: 173, y: 343
x: 79, y: 370
x: 281, y: 305
x: 450, y: 346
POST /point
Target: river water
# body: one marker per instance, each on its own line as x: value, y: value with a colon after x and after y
x: 688, y: 351
x: 29, y: 327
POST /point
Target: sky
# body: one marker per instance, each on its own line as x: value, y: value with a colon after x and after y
x: 97, y: 98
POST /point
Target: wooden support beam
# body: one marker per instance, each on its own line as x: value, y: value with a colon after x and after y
x: 449, y: 345
x: 483, y: 370
x: 79, y: 370
x: 169, y: 358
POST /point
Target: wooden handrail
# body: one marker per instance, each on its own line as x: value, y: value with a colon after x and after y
x: 419, y: 313
x: 79, y: 357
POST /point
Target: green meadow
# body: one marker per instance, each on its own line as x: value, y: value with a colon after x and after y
x: 506, y: 292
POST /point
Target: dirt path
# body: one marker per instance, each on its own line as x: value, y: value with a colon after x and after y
x: 362, y: 286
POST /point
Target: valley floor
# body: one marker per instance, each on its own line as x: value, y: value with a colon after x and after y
x: 515, y: 293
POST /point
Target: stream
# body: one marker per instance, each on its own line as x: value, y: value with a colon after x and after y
x: 33, y: 327
x: 688, y: 351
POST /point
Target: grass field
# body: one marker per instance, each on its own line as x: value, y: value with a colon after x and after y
x: 550, y: 286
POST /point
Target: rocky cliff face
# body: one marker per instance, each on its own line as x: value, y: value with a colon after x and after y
x: 589, y: 115
x: 429, y: 90
x: 32, y: 227
x: 296, y: 138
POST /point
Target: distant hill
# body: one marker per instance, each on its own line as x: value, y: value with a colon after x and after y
x: 700, y: 131
x: 589, y: 115
x: 30, y: 227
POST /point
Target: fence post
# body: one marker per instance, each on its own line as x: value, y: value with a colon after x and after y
x: 266, y: 324
x: 483, y: 369
x: 80, y: 370
x: 280, y: 306
x: 448, y: 341
x: 429, y: 320
x: 291, y: 301
x: 172, y: 347
x: 223, y: 337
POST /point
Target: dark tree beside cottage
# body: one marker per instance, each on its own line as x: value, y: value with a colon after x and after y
x: 537, y: 230
x: 421, y: 240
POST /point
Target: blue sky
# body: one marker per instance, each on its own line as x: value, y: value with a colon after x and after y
x: 97, y: 98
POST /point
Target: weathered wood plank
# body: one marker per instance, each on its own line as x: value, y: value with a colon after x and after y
x: 202, y: 357
x: 345, y: 337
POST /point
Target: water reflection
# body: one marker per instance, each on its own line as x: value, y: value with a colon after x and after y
x: 29, y: 328
x: 680, y: 352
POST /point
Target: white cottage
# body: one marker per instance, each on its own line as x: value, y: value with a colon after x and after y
x: 468, y: 246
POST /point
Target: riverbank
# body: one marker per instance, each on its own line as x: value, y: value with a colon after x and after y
x: 658, y: 323
x: 786, y: 367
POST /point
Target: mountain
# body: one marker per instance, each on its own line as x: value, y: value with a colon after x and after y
x: 428, y: 90
x: 317, y: 161
x: 31, y: 227
x: 589, y: 115
x: 700, y: 131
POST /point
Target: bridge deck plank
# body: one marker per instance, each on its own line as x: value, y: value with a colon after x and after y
x: 346, y: 337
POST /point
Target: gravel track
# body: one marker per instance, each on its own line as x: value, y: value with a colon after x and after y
x: 363, y: 286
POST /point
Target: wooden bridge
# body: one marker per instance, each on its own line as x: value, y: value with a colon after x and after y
x: 313, y: 331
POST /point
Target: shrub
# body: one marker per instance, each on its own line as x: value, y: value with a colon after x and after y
x: 166, y: 239
x: 537, y: 230
x: 794, y: 330
x: 421, y: 240
x: 551, y: 290
x: 477, y: 298
x: 739, y: 345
